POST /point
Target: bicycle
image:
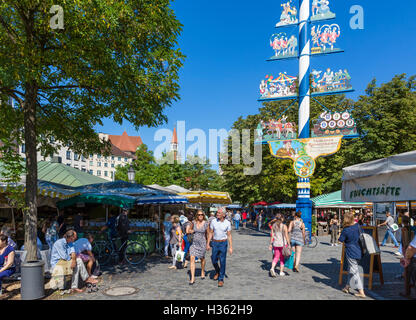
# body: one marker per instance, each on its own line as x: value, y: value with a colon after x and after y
x: 104, y: 251
x: 312, y: 241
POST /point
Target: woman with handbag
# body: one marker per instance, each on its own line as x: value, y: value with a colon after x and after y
x: 279, y: 242
x: 297, y: 238
x: 350, y: 235
x: 199, y: 244
x: 175, y: 239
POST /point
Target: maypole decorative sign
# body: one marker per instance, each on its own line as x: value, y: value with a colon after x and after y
x: 334, y: 124
x: 289, y: 15
x: 321, y: 10
x: 276, y: 130
x: 284, y: 47
x: 304, y: 152
x: 283, y: 86
x: 330, y: 128
x: 324, y: 38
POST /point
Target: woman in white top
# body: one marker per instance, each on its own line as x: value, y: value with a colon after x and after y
x: 278, y: 240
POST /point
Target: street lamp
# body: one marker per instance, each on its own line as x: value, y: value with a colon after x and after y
x: 131, y: 174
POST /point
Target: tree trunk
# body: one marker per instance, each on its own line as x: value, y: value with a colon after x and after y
x: 30, y: 212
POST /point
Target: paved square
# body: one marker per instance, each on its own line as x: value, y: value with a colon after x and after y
x: 247, y: 276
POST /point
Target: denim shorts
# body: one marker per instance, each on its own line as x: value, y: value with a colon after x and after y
x: 296, y: 243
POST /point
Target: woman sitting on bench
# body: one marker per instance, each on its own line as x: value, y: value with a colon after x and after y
x: 7, y: 267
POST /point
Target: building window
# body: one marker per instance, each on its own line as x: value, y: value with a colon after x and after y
x: 23, y: 148
x: 76, y: 156
x: 112, y: 158
x: 119, y: 158
x: 83, y: 169
x: 98, y: 164
x: 112, y: 175
x: 91, y: 172
x: 91, y: 156
x: 68, y: 164
x: 106, y: 164
x: 112, y: 165
x: 82, y: 158
x: 98, y: 172
x: 99, y: 156
x: 125, y: 159
x: 105, y: 173
x: 91, y: 163
x: 68, y: 155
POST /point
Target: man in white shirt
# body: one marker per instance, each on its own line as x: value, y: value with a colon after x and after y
x: 237, y: 218
x: 389, y: 222
x: 219, y: 232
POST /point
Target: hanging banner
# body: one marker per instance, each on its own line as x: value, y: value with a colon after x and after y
x: 304, y: 152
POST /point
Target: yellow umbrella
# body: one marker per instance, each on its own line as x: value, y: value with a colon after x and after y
x: 207, y: 197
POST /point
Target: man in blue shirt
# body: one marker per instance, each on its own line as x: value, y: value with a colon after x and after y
x: 63, y: 256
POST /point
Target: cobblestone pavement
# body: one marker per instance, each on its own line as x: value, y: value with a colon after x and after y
x: 247, y: 276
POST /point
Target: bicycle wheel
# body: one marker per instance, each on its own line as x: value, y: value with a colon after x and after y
x: 135, y: 253
x: 102, y: 252
x: 313, y: 242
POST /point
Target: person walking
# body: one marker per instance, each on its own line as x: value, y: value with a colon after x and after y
x: 167, y: 228
x: 237, y: 219
x: 220, y: 231
x: 333, y: 226
x: 123, y: 226
x: 244, y: 216
x: 390, y: 232
x: 279, y: 238
x: 259, y: 220
x: 350, y: 236
x: 187, y: 229
x: 175, y: 239
x: 297, y: 238
x: 199, y: 244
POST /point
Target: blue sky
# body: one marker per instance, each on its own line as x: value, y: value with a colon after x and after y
x: 227, y: 43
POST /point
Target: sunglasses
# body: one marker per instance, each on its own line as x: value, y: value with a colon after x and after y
x: 200, y: 215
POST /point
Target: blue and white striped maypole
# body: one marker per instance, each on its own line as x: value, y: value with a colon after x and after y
x: 304, y: 203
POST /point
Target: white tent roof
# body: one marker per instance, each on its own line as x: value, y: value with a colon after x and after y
x: 396, y: 163
x: 157, y: 187
x: 176, y: 188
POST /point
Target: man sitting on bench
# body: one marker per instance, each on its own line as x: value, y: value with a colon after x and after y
x: 63, y: 254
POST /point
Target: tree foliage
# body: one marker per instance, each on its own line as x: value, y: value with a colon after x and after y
x: 113, y: 59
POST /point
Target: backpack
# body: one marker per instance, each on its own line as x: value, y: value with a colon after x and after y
x: 122, y: 226
x: 368, y: 244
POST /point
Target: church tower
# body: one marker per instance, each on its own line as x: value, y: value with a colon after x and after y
x: 174, y: 145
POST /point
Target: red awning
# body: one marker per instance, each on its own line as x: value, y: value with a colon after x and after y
x: 272, y: 203
x: 261, y: 203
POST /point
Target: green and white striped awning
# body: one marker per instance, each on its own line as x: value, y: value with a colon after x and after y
x: 333, y: 200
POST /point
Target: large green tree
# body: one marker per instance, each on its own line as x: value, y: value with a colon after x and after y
x: 113, y: 59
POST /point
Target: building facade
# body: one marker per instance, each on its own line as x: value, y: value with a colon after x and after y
x: 97, y: 164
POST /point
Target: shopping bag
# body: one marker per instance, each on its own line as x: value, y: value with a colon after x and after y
x: 289, y: 261
x: 180, y: 256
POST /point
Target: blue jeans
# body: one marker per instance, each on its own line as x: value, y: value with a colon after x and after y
x: 167, y: 239
x: 6, y: 273
x: 187, y: 245
x: 391, y: 234
x: 219, y: 251
x: 237, y: 224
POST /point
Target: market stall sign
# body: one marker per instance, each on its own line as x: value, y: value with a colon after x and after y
x: 304, y: 152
